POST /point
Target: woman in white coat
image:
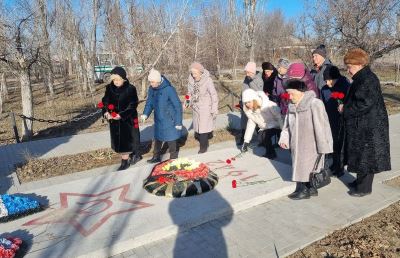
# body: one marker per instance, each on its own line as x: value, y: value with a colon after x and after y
x: 263, y: 113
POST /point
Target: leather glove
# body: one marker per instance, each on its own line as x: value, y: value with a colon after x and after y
x: 143, y: 118
x: 244, y: 147
x: 178, y: 127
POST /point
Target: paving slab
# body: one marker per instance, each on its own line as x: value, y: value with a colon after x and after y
x: 109, y: 214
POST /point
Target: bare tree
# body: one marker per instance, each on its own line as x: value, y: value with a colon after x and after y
x: 366, y: 24
x: 21, y: 52
x: 48, y: 75
x: 250, y: 21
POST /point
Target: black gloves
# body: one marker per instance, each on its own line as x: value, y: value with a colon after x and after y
x: 244, y: 147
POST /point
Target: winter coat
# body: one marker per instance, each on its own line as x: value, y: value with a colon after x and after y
x: 279, y: 89
x: 255, y: 83
x: 167, y: 111
x: 331, y: 105
x: 269, y: 82
x: 205, y: 106
x: 125, y: 101
x: 309, y: 81
x: 366, y: 125
x: 266, y: 117
x: 318, y: 74
x: 307, y: 133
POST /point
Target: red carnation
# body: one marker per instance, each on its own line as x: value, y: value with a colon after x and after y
x: 111, y: 107
x: 163, y: 180
x: 135, y: 120
x: 187, y: 97
x: 114, y: 114
x: 136, y: 125
x: 100, y: 105
x: 233, y: 183
x: 228, y: 161
x: 285, y: 96
x: 339, y: 96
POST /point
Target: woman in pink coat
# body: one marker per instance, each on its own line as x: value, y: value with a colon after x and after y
x: 203, y: 100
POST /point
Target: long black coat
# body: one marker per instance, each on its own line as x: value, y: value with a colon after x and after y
x: 125, y: 135
x: 331, y: 105
x: 366, y: 125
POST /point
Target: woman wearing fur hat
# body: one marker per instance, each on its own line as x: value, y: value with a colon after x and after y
x: 119, y: 108
x: 203, y: 99
x: 269, y: 74
x: 263, y: 113
x: 335, y: 82
x: 163, y: 99
x: 366, y: 123
x: 306, y: 132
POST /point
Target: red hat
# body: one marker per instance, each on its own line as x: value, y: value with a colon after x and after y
x: 296, y: 71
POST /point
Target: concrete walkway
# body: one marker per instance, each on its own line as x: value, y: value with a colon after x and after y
x: 12, y: 154
x: 253, y: 220
x: 282, y: 226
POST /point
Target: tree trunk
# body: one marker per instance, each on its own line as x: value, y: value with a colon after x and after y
x: 27, y: 104
x: 48, y: 67
x: 3, y: 85
x: 143, y: 90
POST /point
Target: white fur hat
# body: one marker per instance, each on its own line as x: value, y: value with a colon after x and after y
x: 154, y: 76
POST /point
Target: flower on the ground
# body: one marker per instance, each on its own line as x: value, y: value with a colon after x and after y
x: 233, y: 183
x: 114, y: 114
x: 187, y: 97
x: 135, y: 120
x: 100, y: 105
x: 228, y: 161
x: 110, y: 106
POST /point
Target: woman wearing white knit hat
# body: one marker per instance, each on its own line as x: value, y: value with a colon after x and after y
x: 163, y: 99
x: 263, y: 113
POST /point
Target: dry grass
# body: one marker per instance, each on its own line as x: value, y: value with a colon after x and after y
x: 36, y: 169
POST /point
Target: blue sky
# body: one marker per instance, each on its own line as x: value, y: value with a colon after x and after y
x: 290, y: 8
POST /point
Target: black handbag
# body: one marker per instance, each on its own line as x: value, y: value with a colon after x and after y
x: 320, y: 178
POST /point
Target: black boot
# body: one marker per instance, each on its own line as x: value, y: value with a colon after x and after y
x: 298, y: 186
x: 203, y: 139
x: 270, y: 154
x: 312, y: 189
x: 154, y: 159
x: 241, y: 141
x: 124, y: 164
x: 135, y: 159
x: 303, y: 193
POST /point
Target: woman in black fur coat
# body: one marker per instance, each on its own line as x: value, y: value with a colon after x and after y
x: 366, y: 124
x: 119, y: 106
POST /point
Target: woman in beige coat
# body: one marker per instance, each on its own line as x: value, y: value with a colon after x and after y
x: 203, y: 100
x: 263, y: 113
x: 306, y: 132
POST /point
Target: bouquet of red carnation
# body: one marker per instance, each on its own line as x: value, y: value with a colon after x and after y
x: 110, y: 108
x: 339, y: 96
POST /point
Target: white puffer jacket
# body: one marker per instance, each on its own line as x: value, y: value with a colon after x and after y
x: 266, y: 117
